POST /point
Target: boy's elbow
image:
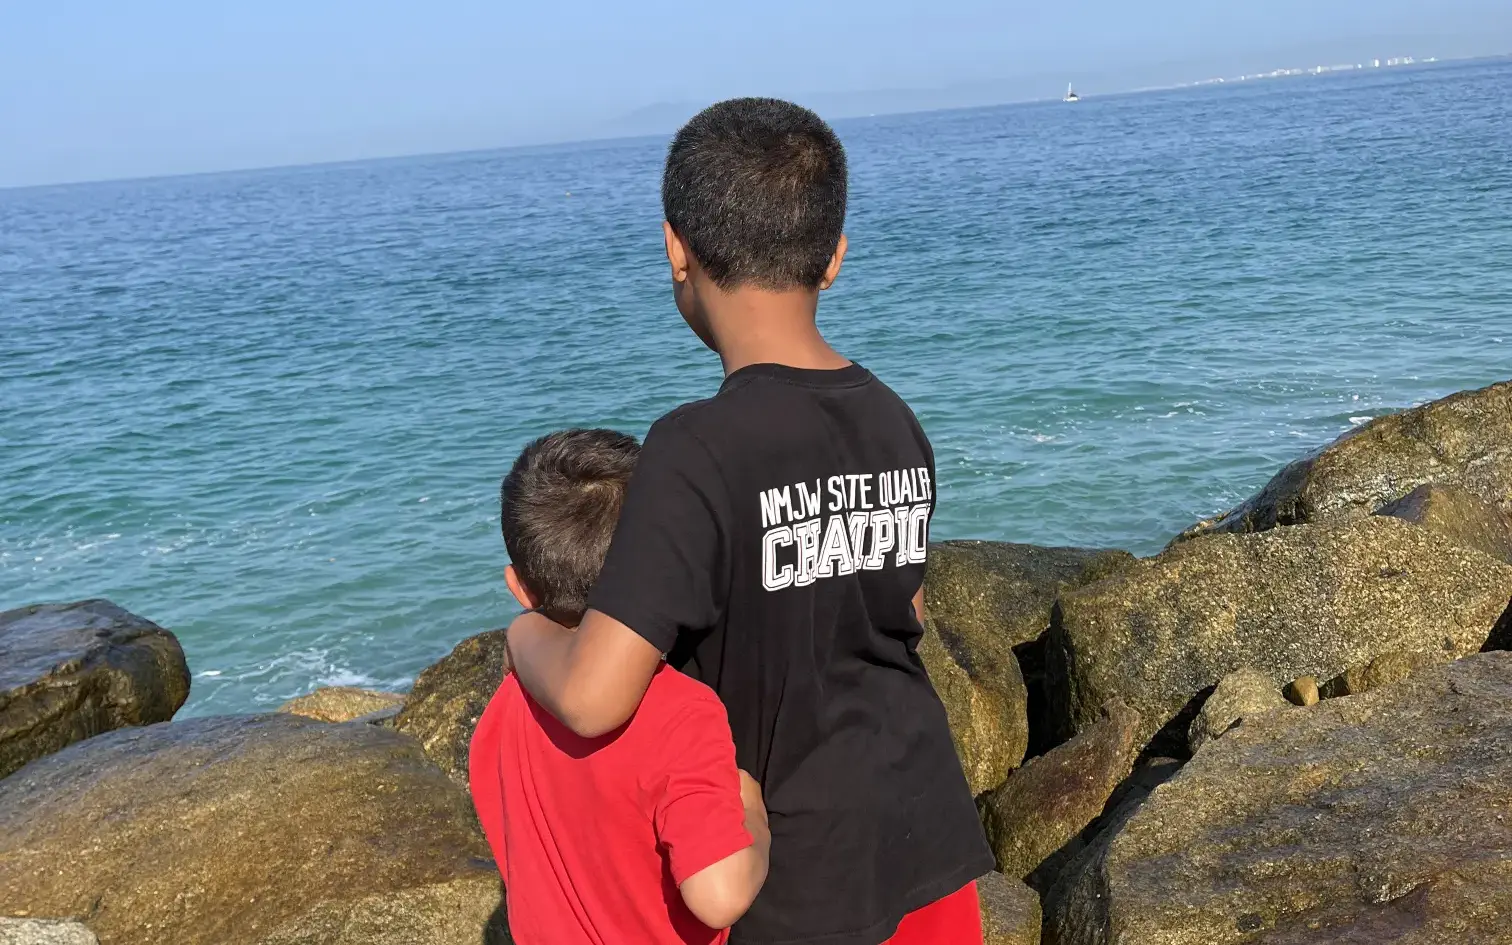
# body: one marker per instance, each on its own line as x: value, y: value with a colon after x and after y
x: 721, y: 909
x: 592, y: 716
x: 721, y: 894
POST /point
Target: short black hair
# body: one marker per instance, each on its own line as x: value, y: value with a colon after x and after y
x: 756, y: 187
x: 558, y: 508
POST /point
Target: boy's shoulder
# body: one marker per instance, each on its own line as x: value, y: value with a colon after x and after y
x: 673, y: 696
x: 774, y: 399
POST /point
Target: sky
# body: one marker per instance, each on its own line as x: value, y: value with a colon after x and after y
x: 98, y: 90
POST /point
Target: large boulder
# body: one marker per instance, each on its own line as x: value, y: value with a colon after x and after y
x: 987, y: 597
x: 1377, y: 818
x: 1010, y: 911
x: 343, y: 704
x: 1052, y: 798
x: 1464, y: 439
x: 1459, y: 515
x: 989, y: 603
x: 249, y: 830
x: 988, y: 712
x: 71, y: 671
x: 1308, y: 600
x: 1242, y: 694
x: 448, y: 698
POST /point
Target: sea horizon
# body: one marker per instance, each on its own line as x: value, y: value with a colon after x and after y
x: 610, y: 139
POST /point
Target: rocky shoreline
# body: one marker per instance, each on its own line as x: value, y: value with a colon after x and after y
x: 1294, y: 725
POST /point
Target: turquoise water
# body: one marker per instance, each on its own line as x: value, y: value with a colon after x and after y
x: 269, y: 410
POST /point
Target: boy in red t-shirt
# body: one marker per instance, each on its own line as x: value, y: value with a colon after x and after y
x: 647, y: 834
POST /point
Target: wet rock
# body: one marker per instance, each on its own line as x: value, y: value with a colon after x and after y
x: 1390, y: 667
x: 71, y: 671
x: 1310, y: 600
x: 1240, y: 695
x: 249, y: 830
x: 1010, y: 911
x: 1051, y: 799
x: 1463, y: 440
x: 1459, y: 515
x: 1378, y: 818
x: 342, y: 704
x: 44, y: 932
x: 988, y: 714
x: 448, y: 699
x: 1302, y: 691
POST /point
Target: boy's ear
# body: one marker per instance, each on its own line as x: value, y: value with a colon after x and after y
x: 518, y: 589
x: 833, y: 271
x: 677, y: 253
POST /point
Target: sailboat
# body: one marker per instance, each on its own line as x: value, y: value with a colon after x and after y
x: 1071, y: 95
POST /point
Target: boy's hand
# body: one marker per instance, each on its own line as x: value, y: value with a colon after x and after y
x: 750, y: 795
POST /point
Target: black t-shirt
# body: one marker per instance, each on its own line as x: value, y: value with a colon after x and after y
x: 771, y: 543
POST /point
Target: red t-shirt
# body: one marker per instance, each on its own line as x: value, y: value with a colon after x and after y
x: 593, y: 836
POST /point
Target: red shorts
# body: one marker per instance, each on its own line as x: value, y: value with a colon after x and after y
x: 954, y: 920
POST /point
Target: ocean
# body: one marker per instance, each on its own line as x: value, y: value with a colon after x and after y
x: 270, y: 409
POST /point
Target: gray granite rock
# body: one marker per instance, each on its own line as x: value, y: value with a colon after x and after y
x: 1307, y: 600
x: 1377, y: 818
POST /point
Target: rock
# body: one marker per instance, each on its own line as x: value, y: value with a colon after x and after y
x: 1302, y: 691
x: 1309, y: 600
x: 342, y: 704
x: 1047, y: 802
x: 249, y: 830
x: 1010, y: 911
x: 1463, y: 440
x: 986, y: 597
x: 44, y: 932
x: 988, y: 715
x: 1460, y: 516
x: 448, y: 698
x: 1378, y: 818
x: 990, y: 603
x: 1061, y: 896
x: 1242, y: 694
x: 71, y: 671
x: 1389, y: 667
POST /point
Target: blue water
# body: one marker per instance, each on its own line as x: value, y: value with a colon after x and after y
x: 269, y: 410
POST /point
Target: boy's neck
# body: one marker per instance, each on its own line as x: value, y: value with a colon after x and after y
x: 759, y: 326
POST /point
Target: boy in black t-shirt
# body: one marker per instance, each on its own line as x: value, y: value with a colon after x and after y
x: 772, y: 544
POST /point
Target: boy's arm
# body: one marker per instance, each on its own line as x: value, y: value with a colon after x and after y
x: 591, y: 679
x: 720, y: 894
x: 710, y: 821
x: 918, y: 605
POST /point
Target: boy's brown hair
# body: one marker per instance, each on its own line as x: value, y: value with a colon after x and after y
x: 558, y: 508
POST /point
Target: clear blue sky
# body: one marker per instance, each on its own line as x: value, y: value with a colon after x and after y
x: 119, y: 89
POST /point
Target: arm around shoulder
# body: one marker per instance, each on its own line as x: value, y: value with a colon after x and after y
x: 592, y: 679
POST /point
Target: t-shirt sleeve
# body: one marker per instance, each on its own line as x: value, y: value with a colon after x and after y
x: 663, y: 573
x: 699, y: 816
